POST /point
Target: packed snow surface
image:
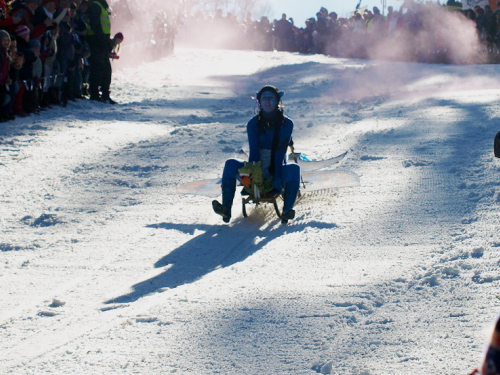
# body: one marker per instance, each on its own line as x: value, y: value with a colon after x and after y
x: 105, y: 270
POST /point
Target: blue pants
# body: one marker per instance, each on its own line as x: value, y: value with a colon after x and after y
x: 290, y: 176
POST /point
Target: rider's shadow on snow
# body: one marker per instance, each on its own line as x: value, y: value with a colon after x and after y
x: 219, y: 246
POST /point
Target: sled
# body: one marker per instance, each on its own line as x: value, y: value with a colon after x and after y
x: 268, y: 199
x: 312, y: 179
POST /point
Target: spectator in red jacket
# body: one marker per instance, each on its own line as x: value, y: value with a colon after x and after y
x: 26, y: 12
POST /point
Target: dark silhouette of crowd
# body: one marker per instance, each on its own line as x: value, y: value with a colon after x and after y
x: 425, y: 32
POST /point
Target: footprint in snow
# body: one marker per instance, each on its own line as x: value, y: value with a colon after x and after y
x: 371, y: 158
x: 413, y: 163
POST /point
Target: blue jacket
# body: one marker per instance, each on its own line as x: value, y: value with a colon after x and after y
x: 263, y: 139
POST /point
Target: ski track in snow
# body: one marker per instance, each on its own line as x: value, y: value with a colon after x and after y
x: 104, y: 270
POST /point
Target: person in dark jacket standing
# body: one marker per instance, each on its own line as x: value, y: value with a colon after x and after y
x: 99, y: 40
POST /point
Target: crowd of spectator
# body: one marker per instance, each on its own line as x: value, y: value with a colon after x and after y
x: 44, y: 54
x: 418, y: 31
x: 46, y: 59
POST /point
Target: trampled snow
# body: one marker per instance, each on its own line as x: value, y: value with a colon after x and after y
x: 105, y: 270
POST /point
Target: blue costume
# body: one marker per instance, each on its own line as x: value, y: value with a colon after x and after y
x: 269, y: 135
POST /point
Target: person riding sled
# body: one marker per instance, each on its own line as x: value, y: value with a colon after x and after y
x: 269, y: 135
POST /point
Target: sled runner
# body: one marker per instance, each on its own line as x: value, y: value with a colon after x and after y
x: 262, y: 200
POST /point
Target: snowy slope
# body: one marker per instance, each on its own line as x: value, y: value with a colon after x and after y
x: 103, y: 270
